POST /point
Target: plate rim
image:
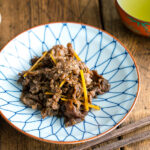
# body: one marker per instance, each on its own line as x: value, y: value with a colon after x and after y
x: 94, y: 137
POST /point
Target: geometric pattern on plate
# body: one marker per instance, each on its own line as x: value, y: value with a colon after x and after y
x: 98, y: 50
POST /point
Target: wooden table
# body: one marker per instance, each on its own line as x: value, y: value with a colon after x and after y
x: 20, y: 15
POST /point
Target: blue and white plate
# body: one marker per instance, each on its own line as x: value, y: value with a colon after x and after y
x: 100, y: 51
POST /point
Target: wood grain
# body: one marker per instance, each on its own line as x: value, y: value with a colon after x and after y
x: 133, y: 139
x: 118, y: 132
x: 18, y: 16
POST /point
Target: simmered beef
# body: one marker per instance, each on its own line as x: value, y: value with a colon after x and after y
x: 54, y: 85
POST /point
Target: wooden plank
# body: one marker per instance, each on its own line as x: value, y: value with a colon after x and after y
x: 18, y: 16
x: 139, y: 47
x: 14, y: 19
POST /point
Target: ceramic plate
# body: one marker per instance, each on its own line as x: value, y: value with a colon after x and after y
x: 99, y: 50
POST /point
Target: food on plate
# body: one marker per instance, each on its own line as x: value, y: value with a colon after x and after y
x: 60, y: 84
